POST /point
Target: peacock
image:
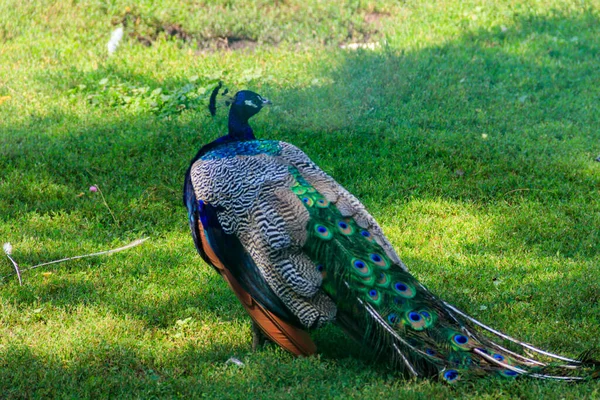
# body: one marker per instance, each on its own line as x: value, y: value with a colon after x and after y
x: 300, y: 251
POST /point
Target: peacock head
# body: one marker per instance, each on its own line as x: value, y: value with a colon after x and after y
x: 246, y: 104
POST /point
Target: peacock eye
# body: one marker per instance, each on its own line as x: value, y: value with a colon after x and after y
x: 451, y: 375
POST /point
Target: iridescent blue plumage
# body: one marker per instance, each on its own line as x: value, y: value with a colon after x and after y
x: 243, y: 148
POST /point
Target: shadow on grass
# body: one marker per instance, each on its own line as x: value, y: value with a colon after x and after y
x: 413, y: 120
x: 112, y: 370
x: 482, y: 121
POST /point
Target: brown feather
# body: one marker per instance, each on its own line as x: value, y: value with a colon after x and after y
x: 292, y: 339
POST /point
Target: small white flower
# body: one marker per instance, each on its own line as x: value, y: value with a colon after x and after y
x: 115, y: 39
x: 7, y: 248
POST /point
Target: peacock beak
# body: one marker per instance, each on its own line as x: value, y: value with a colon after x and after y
x: 266, y: 102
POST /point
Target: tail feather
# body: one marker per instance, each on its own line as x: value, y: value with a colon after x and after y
x: 395, y: 314
x: 506, y: 337
x: 407, y: 363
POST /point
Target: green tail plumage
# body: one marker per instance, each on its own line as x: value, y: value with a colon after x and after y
x: 385, y: 306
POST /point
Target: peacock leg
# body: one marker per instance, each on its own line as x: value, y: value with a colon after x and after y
x: 258, y: 337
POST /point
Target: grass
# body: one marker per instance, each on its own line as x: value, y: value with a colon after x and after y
x: 470, y: 134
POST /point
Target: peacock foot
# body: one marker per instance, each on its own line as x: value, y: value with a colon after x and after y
x: 259, y: 339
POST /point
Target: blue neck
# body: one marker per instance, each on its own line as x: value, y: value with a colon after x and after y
x: 239, y: 129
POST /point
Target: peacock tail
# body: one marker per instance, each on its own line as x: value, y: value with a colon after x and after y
x: 300, y: 251
x: 390, y: 309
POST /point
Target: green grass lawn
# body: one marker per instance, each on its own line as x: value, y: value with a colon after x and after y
x: 470, y: 134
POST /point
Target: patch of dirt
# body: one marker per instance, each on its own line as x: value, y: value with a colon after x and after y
x: 147, y: 30
x: 228, y: 43
x: 366, y: 34
x: 175, y: 30
x: 238, y: 43
x: 375, y: 17
x: 146, y: 41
